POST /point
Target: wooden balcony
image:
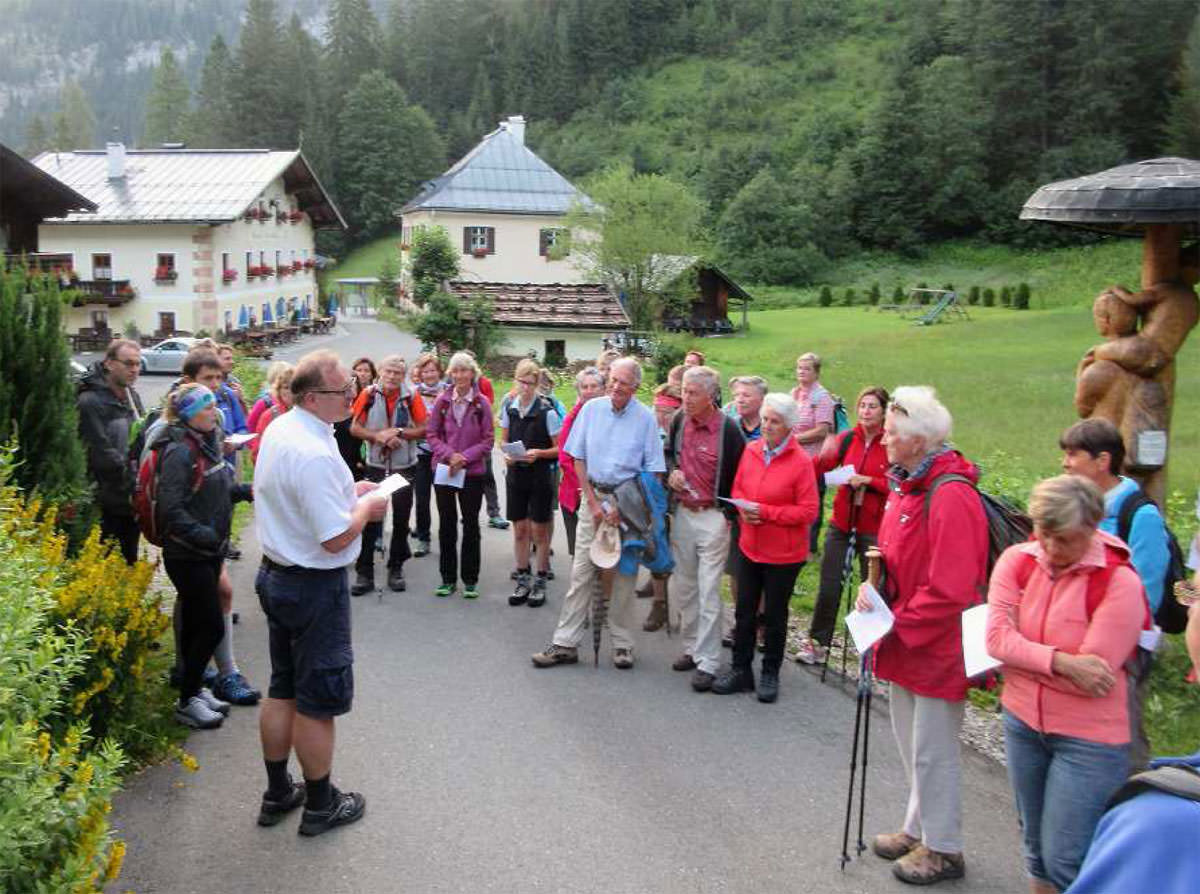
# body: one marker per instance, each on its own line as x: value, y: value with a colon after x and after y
x: 111, y: 292
x: 46, y: 262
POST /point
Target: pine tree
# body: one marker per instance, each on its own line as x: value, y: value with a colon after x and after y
x: 210, y: 125
x: 1021, y: 301
x: 257, y: 91
x: 434, y: 261
x: 167, y: 104
x: 989, y: 298
x: 74, y: 123
x: 37, y: 137
x: 1006, y: 297
x: 352, y: 45
x: 873, y: 295
x: 825, y: 299
x: 304, y: 121
x: 1182, y: 128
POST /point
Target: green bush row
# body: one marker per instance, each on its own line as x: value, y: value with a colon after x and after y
x: 1009, y: 296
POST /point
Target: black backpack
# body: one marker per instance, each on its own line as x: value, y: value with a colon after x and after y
x: 1171, y: 616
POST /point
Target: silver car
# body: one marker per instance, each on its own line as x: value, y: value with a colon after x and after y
x: 166, y: 356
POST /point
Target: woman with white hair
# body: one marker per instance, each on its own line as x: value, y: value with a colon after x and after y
x: 934, y: 541
x: 1066, y: 611
x: 776, y: 495
x: 460, y: 435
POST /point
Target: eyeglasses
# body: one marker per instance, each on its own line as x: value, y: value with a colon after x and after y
x: 529, y: 382
x: 894, y: 407
x: 348, y: 391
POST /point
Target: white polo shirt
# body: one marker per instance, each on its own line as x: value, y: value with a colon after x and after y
x: 303, y: 493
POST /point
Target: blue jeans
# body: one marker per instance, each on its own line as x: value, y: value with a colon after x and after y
x: 1061, y: 785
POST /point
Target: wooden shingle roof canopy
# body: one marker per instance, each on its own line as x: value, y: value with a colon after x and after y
x: 26, y: 187
x: 551, y: 305
x: 1124, y: 200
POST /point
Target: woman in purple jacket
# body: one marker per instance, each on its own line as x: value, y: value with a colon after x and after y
x: 460, y: 435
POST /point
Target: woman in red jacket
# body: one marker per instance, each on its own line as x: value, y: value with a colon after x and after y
x: 857, y: 509
x: 935, y: 549
x: 776, y: 494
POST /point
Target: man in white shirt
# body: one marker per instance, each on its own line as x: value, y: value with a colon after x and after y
x: 613, y: 439
x: 310, y: 518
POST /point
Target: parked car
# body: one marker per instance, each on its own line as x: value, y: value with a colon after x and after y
x: 166, y: 356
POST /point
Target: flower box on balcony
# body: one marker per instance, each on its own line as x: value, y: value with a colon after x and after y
x: 266, y: 271
x: 309, y: 263
x: 228, y: 276
x: 281, y: 217
x: 283, y: 270
x: 295, y: 216
x: 297, y: 266
x: 165, y: 275
x: 479, y: 252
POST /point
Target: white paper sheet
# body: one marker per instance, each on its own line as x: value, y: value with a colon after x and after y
x: 839, y: 476
x: 441, y: 475
x: 976, y: 659
x: 388, y: 486
x: 740, y: 504
x: 239, y: 440
x: 868, y: 628
x: 516, y: 449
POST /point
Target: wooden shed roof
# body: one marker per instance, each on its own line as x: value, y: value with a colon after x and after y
x: 550, y: 305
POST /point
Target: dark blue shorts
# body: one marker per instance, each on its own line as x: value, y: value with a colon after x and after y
x: 308, y: 619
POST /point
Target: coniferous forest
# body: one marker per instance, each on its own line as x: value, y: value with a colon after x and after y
x: 809, y: 129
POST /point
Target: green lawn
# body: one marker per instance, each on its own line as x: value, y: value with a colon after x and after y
x: 366, y: 260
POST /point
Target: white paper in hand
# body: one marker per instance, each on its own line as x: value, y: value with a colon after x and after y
x: 516, y: 449
x: 239, y: 440
x: 976, y: 659
x: 839, y: 476
x: 738, y: 502
x: 442, y: 475
x: 388, y: 486
x: 868, y: 628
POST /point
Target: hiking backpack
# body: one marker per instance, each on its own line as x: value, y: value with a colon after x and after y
x: 841, y: 419
x: 145, y: 489
x: 1171, y: 616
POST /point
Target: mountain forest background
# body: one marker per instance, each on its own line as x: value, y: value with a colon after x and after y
x: 809, y: 129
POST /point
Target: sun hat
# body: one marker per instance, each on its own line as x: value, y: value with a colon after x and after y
x: 605, y: 551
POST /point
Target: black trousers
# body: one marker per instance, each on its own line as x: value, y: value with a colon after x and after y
x: 450, y: 500
x: 489, y: 489
x: 398, y: 551
x: 203, y: 623
x: 124, y: 530
x: 833, y: 563
x: 570, y: 523
x: 814, y: 533
x: 774, y: 583
x: 423, y: 495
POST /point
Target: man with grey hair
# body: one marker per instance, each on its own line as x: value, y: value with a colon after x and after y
x: 613, y: 439
x: 703, y: 450
x: 748, y: 393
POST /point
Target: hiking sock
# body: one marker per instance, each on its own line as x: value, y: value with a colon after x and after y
x: 319, y: 793
x: 223, y: 654
x: 278, y: 781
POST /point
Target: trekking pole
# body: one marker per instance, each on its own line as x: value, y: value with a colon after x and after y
x: 866, y: 684
x: 858, y: 701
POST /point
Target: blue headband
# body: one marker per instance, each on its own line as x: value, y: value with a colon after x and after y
x: 192, y: 401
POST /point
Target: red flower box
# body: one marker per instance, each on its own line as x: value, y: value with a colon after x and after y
x: 297, y: 266
x: 295, y: 216
x: 309, y: 263
x: 228, y: 275
x: 165, y: 274
x: 479, y: 252
x: 283, y: 270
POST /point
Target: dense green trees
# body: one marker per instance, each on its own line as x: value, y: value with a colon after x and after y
x: 168, y: 104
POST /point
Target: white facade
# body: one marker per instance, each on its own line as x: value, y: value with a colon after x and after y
x: 515, y: 247
x: 198, y: 296
x: 576, y: 344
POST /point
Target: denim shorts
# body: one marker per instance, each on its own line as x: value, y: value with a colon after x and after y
x: 308, y: 621
x: 1061, y: 785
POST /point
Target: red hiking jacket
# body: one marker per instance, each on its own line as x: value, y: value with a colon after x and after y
x: 786, y: 492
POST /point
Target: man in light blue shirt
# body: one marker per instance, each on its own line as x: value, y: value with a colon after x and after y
x: 1093, y: 449
x: 613, y: 439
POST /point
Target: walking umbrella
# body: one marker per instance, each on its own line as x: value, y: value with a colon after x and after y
x: 280, y: 308
x: 268, y: 317
x: 333, y: 304
x: 243, y: 317
x: 599, y: 614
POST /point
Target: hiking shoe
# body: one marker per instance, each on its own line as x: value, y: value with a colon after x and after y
x: 515, y: 574
x: 344, y: 808
x: 623, y: 659
x: 810, y: 651
x: 363, y: 583
x: 210, y: 677
x: 499, y: 523
x: 550, y: 571
x: 273, y: 810
x: 471, y: 591
x: 235, y: 689
x: 233, y: 554
x: 444, y: 590
x: 768, y: 686
x: 921, y: 866
x: 684, y: 662
x: 521, y: 594
x: 727, y: 640
x: 734, y: 679
x: 657, y: 618
x: 396, y: 580
x: 197, y: 715
x: 702, y: 681
x: 421, y: 549
x: 537, y: 596
x: 212, y: 702
x: 893, y: 845
x: 556, y: 654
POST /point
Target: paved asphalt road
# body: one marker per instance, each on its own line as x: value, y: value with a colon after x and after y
x: 483, y: 773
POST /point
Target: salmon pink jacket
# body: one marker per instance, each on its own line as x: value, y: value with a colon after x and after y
x: 786, y: 494
x: 1025, y: 628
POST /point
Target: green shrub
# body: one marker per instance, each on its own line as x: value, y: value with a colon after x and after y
x: 669, y: 352
x: 826, y: 297
x: 973, y: 295
x: 898, y: 295
x: 948, y: 287
x: 1021, y: 302
x: 989, y: 298
x: 873, y: 295
x: 849, y: 298
x: 1006, y: 297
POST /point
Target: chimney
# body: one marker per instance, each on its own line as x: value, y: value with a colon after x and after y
x: 116, y: 160
x: 515, y: 125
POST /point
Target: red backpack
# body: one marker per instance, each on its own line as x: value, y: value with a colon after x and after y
x: 145, y: 490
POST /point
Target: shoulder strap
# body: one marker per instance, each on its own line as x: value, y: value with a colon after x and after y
x: 1181, y: 780
x: 1129, y: 509
x: 844, y: 448
x: 945, y: 479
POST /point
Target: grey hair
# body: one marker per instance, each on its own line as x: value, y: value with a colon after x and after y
x: 586, y: 372
x: 463, y: 360
x: 750, y: 382
x: 628, y: 361
x: 705, y: 375
x: 783, y: 406
x: 393, y: 360
x: 1066, y: 502
x: 916, y: 412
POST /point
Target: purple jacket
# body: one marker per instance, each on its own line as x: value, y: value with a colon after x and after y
x: 473, y: 437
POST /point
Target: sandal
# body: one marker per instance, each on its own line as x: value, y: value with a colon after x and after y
x: 921, y: 866
x: 893, y: 845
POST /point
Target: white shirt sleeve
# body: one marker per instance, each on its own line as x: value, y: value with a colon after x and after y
x: 323, y: 500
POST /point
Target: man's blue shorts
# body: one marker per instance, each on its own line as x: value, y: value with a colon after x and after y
x: 308, y: 619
